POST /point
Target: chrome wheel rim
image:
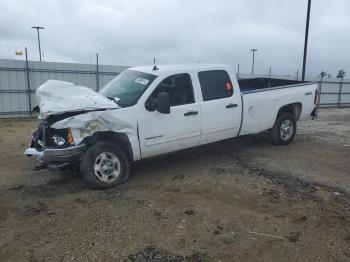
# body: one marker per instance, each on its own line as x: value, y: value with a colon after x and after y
x: 286, y: 130
x: 107, y: 167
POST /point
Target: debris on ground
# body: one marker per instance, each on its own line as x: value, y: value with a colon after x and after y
x: 15, y: 187
x: 293, y: 236
x: 153, y: 253
x: 189, y: 212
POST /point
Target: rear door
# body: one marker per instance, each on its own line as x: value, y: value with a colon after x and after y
x: 163, y: 133
x: 220, y: 108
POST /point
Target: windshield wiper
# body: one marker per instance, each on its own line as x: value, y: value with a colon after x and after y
x: 114, y: 99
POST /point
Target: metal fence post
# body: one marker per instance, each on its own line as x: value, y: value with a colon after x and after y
x: 28, y: 85
x: 97, y: 75
x: 297, y: 74
x: 320, y: 89
x: 340, y: 90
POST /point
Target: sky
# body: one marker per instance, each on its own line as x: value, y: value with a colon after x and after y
x: 133, y: 32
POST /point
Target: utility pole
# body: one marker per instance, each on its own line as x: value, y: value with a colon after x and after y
x: 253, y: 50
x: 238, y: 71
x: 37, y: 30
x: 306, y: 38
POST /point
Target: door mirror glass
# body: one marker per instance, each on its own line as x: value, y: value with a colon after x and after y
x: 162, y: 103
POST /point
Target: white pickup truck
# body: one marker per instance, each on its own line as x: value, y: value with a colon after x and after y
x: 152, y: 110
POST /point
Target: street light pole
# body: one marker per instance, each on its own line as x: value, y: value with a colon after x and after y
x: 37, y: 30
x: 253, y: 50
x: 306, y: 38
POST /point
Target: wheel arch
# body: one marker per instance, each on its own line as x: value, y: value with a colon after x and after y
x: 293, y: 108
x: 120, y: 139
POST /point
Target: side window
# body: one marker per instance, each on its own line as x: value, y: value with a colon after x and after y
x: 215, y: 84
x: 179, y: 87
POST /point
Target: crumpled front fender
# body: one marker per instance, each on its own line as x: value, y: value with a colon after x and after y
x: 86, y: 125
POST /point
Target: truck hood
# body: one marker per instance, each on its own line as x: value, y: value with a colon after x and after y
x: 56, y: 97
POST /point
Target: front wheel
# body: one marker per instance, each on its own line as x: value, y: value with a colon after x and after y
x: 284, y: 129
x: 104, y: 165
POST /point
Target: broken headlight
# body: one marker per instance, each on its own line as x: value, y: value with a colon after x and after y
x: 58, y: 140
x: 58, y: 137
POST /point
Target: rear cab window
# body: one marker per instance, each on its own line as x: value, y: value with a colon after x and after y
x: 215, y: 84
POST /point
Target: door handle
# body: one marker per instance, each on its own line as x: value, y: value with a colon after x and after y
x: 231, y: 105
x: 191, y: 113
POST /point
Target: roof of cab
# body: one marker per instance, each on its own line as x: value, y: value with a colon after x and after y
x: 168, y: 69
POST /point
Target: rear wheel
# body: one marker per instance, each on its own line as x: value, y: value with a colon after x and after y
x: 284, y: 129
x: 104, y: 165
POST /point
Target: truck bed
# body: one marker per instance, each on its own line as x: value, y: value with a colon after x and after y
x: 260, y: 83
x: 262, y: 100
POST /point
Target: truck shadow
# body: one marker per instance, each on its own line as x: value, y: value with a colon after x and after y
x: 230, y: 148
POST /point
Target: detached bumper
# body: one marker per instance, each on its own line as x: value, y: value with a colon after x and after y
x: 314, y: 113
x: 57, y: 157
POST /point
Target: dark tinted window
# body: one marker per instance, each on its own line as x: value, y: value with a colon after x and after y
x: 215, y: 84
x: 179, y: 87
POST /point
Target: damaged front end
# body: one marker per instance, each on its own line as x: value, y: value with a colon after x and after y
x: 54, y: 148
x: 71, y: 119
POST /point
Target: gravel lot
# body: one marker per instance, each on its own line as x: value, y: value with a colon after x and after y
x: 238, y: 200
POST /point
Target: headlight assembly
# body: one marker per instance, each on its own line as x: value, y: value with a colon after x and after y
x: 58, y: 140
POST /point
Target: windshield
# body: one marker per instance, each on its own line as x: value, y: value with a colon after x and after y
x: 127, y: 87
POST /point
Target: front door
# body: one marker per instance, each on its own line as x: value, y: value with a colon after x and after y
x: 163, y: 133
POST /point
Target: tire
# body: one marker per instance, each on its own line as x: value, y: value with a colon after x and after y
x: 284, y: 129
x: 104, y: 165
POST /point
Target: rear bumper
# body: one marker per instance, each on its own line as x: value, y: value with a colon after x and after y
x: 59, y: 157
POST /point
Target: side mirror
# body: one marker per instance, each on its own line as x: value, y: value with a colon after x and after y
x: 162, y: 103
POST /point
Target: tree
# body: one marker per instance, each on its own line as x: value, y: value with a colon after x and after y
x: 323, y: 74
x: 341, y: 74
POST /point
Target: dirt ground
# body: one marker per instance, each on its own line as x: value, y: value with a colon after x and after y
x: 238, y: 200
